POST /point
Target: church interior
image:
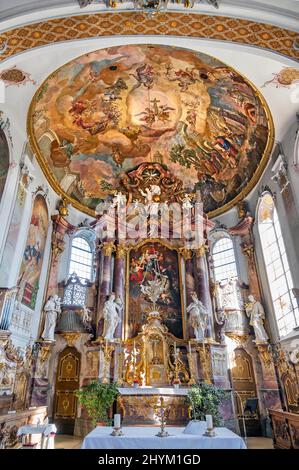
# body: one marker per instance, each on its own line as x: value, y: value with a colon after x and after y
x: 149, y: 208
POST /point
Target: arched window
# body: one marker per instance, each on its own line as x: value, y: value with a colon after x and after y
x: 81, y: 260
x: 224, y: 261
x: 277, y: 266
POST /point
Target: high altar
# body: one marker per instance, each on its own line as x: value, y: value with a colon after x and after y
x: 155, y: 279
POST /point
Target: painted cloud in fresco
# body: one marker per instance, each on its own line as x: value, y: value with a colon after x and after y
x: 106, y: 112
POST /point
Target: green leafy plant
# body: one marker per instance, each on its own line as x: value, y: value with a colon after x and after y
x: 98, y: 398
x: 205, y: 399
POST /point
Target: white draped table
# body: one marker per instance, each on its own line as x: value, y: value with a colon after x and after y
x: 47, y: 431
x: 144, y: 437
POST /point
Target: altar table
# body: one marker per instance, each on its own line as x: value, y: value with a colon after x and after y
x: 144, y: 437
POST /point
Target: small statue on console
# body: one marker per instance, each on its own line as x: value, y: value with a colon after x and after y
x: 256, y: 314
x: 86, y: 317
x: 111, y: 316
x: 198, y: 317
x: 52, y: 309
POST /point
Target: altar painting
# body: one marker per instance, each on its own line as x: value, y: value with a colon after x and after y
x: 33, y: 254
x: 147, y: 263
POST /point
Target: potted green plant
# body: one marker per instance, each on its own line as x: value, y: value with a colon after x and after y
x: 98, y: 399
x: 205, y: 399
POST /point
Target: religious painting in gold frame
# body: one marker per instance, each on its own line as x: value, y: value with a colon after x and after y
x: 147, y: 261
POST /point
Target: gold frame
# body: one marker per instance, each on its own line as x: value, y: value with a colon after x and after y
x: 127, y: 282
x: 49, y: 174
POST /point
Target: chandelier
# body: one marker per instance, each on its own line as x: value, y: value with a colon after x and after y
x: 150, y: 6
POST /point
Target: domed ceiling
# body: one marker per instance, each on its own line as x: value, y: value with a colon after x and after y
x: 106, y: 112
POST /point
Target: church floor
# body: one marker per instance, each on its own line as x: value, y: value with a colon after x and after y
x: 63, y: 441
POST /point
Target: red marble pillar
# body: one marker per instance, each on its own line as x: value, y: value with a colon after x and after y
x: 203, y: 285
x: 104, y: 282
x: 119, y: 283
x: 189, y: 282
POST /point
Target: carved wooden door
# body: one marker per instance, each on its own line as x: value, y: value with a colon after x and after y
x: 67, y: 382
x: 244, y: 385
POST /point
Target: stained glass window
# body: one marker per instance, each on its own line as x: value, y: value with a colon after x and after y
x: 277, y: 266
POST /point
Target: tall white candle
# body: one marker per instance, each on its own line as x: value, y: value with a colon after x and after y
x: 209, y: 420
x: 190, y: 350
x: 116, y: 421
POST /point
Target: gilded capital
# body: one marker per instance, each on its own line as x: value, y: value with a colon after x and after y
x: 201, y: 251
x: 186, y: 253
x: 121, y: 251
x: 108, y: 248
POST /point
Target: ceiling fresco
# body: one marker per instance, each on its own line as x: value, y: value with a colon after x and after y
x: 104, y: 113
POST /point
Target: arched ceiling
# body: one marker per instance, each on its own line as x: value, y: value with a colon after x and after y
x: 108, y: 111
x: 226, y: 100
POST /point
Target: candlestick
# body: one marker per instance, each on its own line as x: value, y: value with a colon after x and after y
x: 116, y: 420
x: 210, y: 430
x: 209, y: 420
x: 117, y: 431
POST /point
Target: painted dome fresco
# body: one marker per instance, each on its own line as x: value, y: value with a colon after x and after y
x: 106, y: 112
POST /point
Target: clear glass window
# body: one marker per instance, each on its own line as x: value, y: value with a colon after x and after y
x: 277, y: 267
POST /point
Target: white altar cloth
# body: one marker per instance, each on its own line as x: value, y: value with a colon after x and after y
x: 144, y: 437
x: 153, y: 391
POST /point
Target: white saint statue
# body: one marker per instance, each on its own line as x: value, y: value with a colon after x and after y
x: 111, y: 317
x: 256, y: 314
x: 52, y: 308
x: 229, y: 294
x: 198, y: 317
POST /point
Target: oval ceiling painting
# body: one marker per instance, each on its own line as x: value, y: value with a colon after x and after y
x: 104, y: 113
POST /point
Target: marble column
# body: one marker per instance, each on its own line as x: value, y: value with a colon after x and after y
x: 203, y: 285
x: 104, y: 282
x: 189, y: 282
x: 119, y: 283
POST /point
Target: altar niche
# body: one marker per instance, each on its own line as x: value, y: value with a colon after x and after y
x: 148, y: 262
